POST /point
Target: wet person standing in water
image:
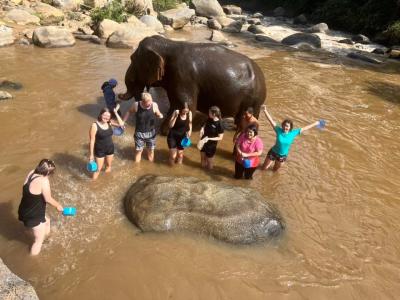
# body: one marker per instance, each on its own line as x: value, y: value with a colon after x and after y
x: 285, y: 135
x: 180, y: 127
x: 210, y: 134
x: 145, y: 130
x: 247, y: 119
x: 101, y: 146
x: 32, y: 209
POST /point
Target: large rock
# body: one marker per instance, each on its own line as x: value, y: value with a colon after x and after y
x: 48, y: 14
x: 394, y: 52
x: 67, y: 4
x: 214, y: 24
x: 224, y: 21
x: 4, y: 96
x: 21, y: 17
x: 232, y: 10
x: 301, y: 39
x: 52, y: 37
x: 364, y: 56
x: 12, y: 287
x: 218, y: 37
x: 208, y: 8
x: 360, y: 38
x: 152, y: 22
x: 234, y: 27
x: 279, y: 12
x: 300, y: 20
x: 128, y: 36
x: 6, y: 36
x: 228, y: 213
x: 256, y: 29
x: 139, y: 7
x: 107, y: 27
x: 319, y: 28
x: 177, y: 17
x: 8, y: 84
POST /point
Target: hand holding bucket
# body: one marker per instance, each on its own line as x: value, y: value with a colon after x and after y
x: 186, y: 142
x: 246, y: 163
x: 69, y: 211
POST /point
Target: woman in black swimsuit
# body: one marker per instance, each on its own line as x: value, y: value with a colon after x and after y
x: 180, y: 127
x: 101, y: 145
x: 32, y: 209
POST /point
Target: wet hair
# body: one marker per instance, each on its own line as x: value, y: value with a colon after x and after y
x: 105, y: 109
x: 185, y: 106
x: 252, y: 128
x: 249, y: 110
x: 45, y: 167
x: 288, y: 121
x: 146, y: 96
x: 215, y: 111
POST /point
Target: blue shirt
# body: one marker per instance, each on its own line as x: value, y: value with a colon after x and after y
x: 284, y: 140
x: 109, y: 96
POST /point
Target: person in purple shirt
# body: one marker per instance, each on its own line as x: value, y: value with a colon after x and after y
x: 285, y: 136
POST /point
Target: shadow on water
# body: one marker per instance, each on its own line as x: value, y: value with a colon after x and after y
x: 10, y: 227
x: 76, y: 165
x: 387, y: 91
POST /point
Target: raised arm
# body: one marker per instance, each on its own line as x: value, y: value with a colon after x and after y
x: 47, y: 195
x: 131, y: 110
x: 174, y: 116
x: 270, y: 120
x: 316, y: 123
x: 120, y: 123
x: 92, y: 140
x: 157, y: 112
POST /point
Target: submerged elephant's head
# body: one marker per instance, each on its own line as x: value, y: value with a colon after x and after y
x: 146, y: 68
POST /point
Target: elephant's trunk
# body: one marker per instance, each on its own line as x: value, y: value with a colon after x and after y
x: 125, y: 96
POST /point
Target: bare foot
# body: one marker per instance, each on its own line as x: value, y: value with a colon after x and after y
x: 107, y: 170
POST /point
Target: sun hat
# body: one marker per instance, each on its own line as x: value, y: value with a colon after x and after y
x: 113, y: 82
x: 91, y: 166
x: 186, y: 142
x: 118, y: 131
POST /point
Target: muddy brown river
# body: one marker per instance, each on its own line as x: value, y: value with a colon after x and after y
x: 339, y: 192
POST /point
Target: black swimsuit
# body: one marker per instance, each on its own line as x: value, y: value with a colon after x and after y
x: 103, y: 144
x: 32, y: 209
x: 177, y: 133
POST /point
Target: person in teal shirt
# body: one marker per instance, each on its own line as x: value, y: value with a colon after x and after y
x: 285, y: 137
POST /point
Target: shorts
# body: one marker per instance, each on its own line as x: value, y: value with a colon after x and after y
x: 174, y: 141
x: 30, y: 223
x: 274, y: 156
x: 209, y: 149
x: 102, y: 151
x: 143, y: 139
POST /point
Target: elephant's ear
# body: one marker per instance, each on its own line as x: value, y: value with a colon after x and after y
x: 154, y: 66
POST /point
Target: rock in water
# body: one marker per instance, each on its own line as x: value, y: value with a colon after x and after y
x: 228, y: 213
x: 13, y: 287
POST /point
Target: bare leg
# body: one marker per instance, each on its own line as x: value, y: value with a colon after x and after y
x: 172, y: 156
x: 138, y: 155
x: 179, y: 159
x: 210, y: 163
x: 150, y: 154
x: 277, y: 165
x: 203, y: 159
x: 267, y: 163
x: 109, y: 159
x: 100, y: 163
x: 39, y: 233
x: 47, y: 225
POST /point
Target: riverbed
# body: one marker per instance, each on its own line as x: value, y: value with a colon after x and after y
x: 338, y: 193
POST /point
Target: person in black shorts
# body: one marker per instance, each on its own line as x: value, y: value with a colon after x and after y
x: 101, y: 145
x: 210, y: 134
x: 180, y: 126
x: 32, y: 209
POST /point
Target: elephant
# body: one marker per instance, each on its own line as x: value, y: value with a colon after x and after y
x: 200, y: 74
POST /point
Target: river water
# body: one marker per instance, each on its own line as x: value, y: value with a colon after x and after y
x: 339, y: 192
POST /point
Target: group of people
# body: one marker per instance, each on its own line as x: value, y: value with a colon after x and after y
x: 248, y: 148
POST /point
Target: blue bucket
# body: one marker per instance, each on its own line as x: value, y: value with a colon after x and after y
x: 118, y: 131
x: 186, y: 142
x: 91, y: 166
x: 246, y: 163
x: 321, y: 124
x: 69, y: 211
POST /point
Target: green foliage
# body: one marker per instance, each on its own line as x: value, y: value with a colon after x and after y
x: 161, y: 5
x: 113, y: 11
x: 392, y: 33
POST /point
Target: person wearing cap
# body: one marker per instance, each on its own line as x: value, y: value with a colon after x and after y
x: 109, y: 95
x: 145, y: 129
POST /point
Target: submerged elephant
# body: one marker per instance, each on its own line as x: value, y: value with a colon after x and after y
x: 201, y: 74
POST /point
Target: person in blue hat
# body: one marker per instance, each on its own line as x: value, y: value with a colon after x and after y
x: 109, y: 95
x: 285, y: 136
x: 180, y: 126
